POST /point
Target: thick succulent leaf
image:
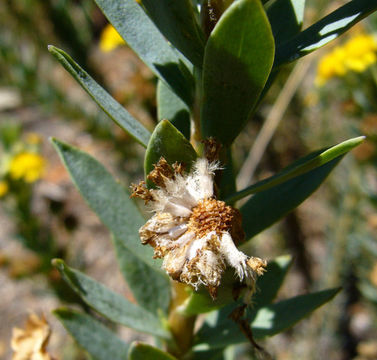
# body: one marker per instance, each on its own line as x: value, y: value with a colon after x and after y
x: 266, y: 321
x: 269, y: 284
x: 140, y: 351
x: 285, y: 26
x: 135, y: 27
x: 324, y: 31
x: 150, y: 288
x: 99, y: 341
x: 300, y: 167
x: 237, y: 61
x: 111, y: 305
x: 172, y: 108
x: 176, y: 21
x: 108, y: 198
x: 106, y: 102
x: 168, y: 142
x: 266, y: 207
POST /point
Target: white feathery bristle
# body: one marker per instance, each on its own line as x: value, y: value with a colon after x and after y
x: 235, y: 258
x: 201, y: 180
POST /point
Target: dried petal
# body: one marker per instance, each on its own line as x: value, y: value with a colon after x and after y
x: 30, y: 343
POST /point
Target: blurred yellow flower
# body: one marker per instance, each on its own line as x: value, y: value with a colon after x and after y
x: 27, y: 166
x: 110, y: 39
x: 4, y: 188
x: 357, y: 54
x: 33, y: 138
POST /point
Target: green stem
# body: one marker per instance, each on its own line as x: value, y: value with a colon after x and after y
x: 182, y: 327
x: 196, y: 136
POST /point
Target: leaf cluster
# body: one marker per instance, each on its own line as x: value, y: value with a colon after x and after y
x: 212, y: 74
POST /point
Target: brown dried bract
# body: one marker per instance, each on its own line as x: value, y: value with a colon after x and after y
x: 141, y: 191
x: 211, y: 149
x: 258, y: 265
x: 161, y: 172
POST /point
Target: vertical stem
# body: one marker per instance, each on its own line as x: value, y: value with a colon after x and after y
x: 182, y: 327
x: 196, y: 135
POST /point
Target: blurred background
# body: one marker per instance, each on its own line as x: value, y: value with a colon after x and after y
x: 323, y: 99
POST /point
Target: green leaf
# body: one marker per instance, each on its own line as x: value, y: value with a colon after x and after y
x: 275, y: 318
x: 172, y: 108
x: 285, y: 27
x: 324, y: 31
x: 269, y: 284
x: 109, y: 304
x: 112, y: 203
x: 144, y: 38
x: 106, y: 102
x: 107, y: 198
x: 237, y: 61
x: 300, y: 167
x: 267, y: 207
x: 176, y: 21
x: 168, y: 142
x: 265, y: 321
x: 140, y: 351
x: 150, y: 288
x: 99, y: 341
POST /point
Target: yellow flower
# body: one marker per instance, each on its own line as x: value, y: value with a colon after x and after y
x: 331, y: 65
x: 33, y: 139
x: 110, y: 39
x: 27, y: 166
x: 360, y: 52
x: 357, y: 54
x: 4, y: 188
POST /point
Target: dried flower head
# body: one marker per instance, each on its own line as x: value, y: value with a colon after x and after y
x: 30, y: 343
x: 192, y: 231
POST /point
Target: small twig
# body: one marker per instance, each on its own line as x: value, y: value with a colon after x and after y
x: 272, y: 121
x: 237, y: 315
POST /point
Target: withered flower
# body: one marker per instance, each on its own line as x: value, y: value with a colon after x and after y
x: 30, y: 343
x: 192, y: 231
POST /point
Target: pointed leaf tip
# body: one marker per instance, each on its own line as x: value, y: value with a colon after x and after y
x: 58, y: 263
x: 104, y: 100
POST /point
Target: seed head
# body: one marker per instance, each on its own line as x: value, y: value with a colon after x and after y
x: 191, y: 230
